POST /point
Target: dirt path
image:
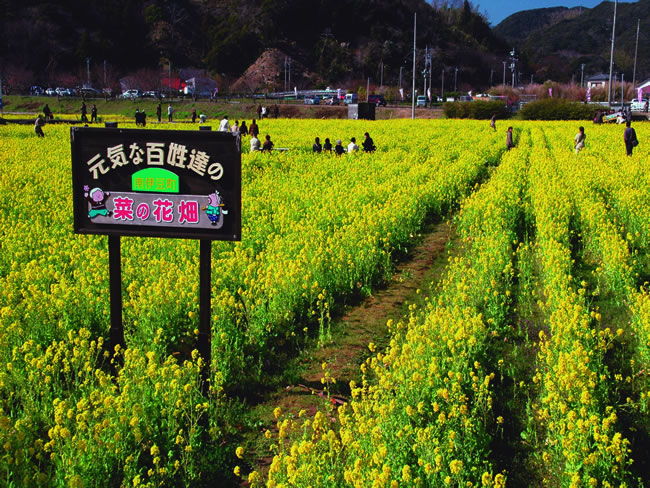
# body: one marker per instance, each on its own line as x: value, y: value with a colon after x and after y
x: 353, y: 331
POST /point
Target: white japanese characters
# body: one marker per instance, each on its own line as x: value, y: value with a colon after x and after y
x: 155, y: 154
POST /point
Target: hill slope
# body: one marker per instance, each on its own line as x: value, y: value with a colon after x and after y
x: 555, y: 42
x: 337, y: 40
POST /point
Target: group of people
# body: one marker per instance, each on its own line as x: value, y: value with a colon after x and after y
x: 367, y: 145
x: 84, y: 113
x: 263, y: 112
x: 629, y: 138
x: 140, y: 118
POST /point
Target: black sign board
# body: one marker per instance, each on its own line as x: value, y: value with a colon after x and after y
x: 156, y: 183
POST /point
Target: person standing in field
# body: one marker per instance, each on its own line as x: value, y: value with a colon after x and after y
x: 254, y: 130
x: 259, y: 112
x: 93, y: 114
x: 493, y: 122
x: 193, y: 115
x: 159, y: 113
x: 243, y: 130
x: 509, y: 141
x: 580, y: 139
x: 328, y: 145
x: 235, y: 128
x: 170, y: 113
x: 629, y: 137
x: 276, y: 111
x: 317, y: 146
x: 38, y: 126
x: 47, y: 112
x: 224, y: 125
x: 84, y: 112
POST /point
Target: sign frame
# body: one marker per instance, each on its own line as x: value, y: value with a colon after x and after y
x: 217, y: 145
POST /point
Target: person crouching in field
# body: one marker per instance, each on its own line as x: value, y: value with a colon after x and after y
x: 38, y: 124
x: 580, y: 139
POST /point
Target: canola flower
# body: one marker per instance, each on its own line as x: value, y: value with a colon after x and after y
x: 317, y: 229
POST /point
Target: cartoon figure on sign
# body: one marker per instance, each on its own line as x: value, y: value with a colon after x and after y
x: 213, y: 208
x: 97, y: 199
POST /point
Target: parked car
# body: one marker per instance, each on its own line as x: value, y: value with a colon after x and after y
x: 131, y: 94
x: 36, y: 91
x: 312, y: 100
x: 64, y: 92
x: 50, y: 92
x: 638, y: 105
x: 331, y: 101
x: 350, y: 98
x: 421, y: 101
x: 89, y: 92
x: 378, y: 100
x: 465, y: 98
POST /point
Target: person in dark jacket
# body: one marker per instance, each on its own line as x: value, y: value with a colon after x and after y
x: 254, y: 130
x: 268, y: 145
x: 84, y: 112
x: 629, y: 137
x: 93, y: 114
x: 328, y: 145
x: 243, y: 130
x: 159, y: 113
x: 368, y: 144
x: 193, y: 115
x: 509, y: 140
x: 339, y: 149
x: 47, y: 112
x: 317, y: 146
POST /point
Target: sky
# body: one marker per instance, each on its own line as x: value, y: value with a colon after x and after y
x: 497, y: 10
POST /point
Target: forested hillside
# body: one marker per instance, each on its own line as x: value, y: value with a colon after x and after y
x: 336, y: 39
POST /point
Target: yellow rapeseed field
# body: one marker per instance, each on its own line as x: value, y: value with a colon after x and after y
x: 536, y: 339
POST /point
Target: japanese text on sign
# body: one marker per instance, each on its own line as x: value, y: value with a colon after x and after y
x: 154, y: 154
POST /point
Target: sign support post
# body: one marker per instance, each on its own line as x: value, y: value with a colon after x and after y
x: 115, y: 284
x: 156, y: 183
x: 205, y: 329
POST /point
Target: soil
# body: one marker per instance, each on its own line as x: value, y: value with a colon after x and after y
x: 353, y: 331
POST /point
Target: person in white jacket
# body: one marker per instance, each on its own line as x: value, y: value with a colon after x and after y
x: 352, y: 147
x: 224, y: 125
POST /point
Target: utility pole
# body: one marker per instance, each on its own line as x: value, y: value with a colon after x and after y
x: 413, y: 92
x: 513, y: 63
x: 491, y: 75
x: 104, y: 73
x: 88, y: 70
x: 400, y: 76
x: 368, y: 89
x: 285, y: 73
x: 289, y: 74
x: 531, y: 79
x: 442, y: 91
x: 381, y: 82
x: 622, y: 89
x: 611, y: 58
x: 582, y: 75
x: 169, y: 78
x: 504, y: 73
x: 636, y: 50
x: 455, y: 77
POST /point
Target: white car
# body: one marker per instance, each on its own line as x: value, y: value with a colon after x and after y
x: 638, y: 106
x: 130, y: 94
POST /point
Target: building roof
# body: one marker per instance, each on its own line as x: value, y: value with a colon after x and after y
x: 644, y: 84
x: 598, y: 77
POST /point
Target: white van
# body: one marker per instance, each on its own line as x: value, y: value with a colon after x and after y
x: 350, y: 98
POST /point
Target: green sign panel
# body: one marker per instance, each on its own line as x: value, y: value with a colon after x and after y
x: 156, y: 180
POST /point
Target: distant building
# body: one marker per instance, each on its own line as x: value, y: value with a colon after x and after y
x: 644, y: 86
x: 597, y: 81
